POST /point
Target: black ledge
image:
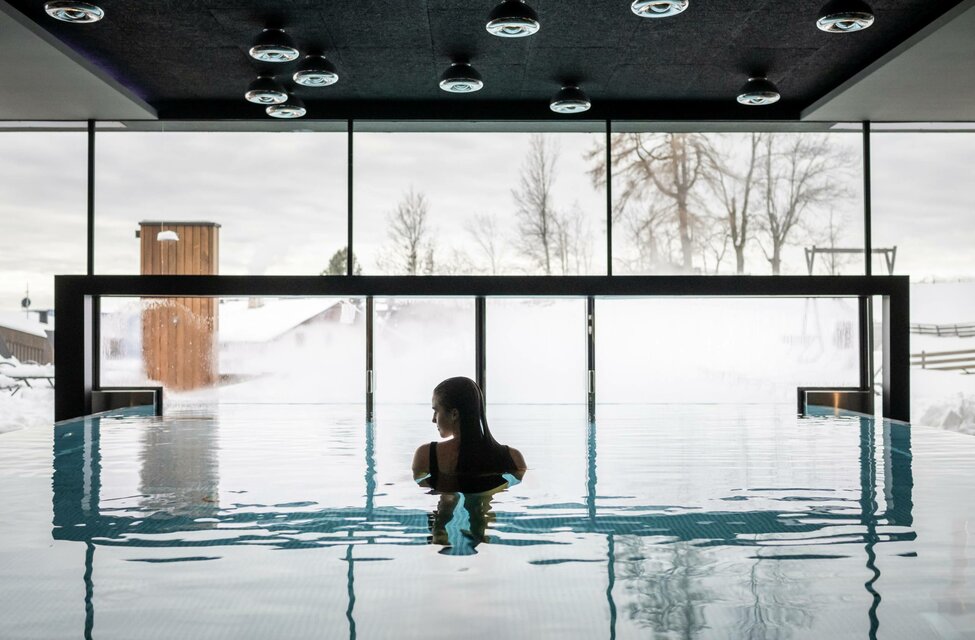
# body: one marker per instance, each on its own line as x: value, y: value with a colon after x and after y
x: 271, y: 286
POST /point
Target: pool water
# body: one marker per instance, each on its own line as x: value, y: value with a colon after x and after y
x: 656, y: 521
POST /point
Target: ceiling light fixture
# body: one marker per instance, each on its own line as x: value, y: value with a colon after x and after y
x: 265, y: 90
x: 77, y: 12
x: 274, y: 45
x: 513, y: 19
x: 293, y: 107
x: 167, y: 236
x: 758, y: 92
x: 658, y: 8
x: 845, y: 16
x: 461, y: 77
x: 570, y: 100
x: 316, y: 71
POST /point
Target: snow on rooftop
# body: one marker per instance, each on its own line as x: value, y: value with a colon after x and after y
x: 240, y: 322
x: 17, y: 321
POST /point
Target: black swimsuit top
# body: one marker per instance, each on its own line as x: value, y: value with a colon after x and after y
x: 466, y: 483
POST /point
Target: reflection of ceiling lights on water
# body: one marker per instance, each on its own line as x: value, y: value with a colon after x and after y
x: 758, y: 92
x: 570, y: 100
x: 293, y: 107
x: 513, y: 19
x: 76, y: 12
x: 316, y: 71
x: 845, y: 16
x: 461, y: 77
x: 274, y: 45
x: 266, y: 90
x: 658, y: 8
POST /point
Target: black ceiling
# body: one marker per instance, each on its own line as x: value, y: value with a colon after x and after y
x: 189, y: 58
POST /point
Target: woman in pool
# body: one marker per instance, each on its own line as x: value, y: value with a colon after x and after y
x: 470, y: 458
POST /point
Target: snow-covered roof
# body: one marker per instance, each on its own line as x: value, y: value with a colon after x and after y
x: 18, y: 322
x: 241, y: 323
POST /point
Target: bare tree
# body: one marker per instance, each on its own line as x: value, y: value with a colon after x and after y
x: 536, y: 212
x: 713, y: 240
x: 665, y: 164
x: 733, y: 187
x: 654, y: 237
x: 572, y: 233
x: 412, y: 250
x: 483, y: 229
x: 833, y: 232
x: 798, y: 173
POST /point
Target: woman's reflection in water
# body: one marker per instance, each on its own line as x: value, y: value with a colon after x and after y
x: 467, y: 468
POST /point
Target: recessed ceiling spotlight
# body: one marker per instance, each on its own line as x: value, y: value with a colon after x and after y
x: 570, y: 100
x: 758, y: 91
x: 513, y: 19
x: 845, y: 16
x: 658, y: 8
x: 265, y: 90
x: 461, y: 77
x: 79, y: 12
x: 293, y: 107
x: 316, y: 71
x: 274, y: 45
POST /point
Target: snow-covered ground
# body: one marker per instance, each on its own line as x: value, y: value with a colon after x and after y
x: 943, y: 398
x: 27, y: 408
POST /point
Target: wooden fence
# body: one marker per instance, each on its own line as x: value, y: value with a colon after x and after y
x: 963, y: 361
x: 945, y: 330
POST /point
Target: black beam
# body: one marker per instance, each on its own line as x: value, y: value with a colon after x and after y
x: 591, y: 357
x: 867, y: 212
x: 91, y: 198
x: 73, y: 352
x: 370, y: 365
x: 480, y: 343
x: 897, y: 354
x: 609, y: 197
x: 349, y: 255
x: 865, y: 335
x: 511, y: 286
x: 865, y: 308
x: 785, y: 111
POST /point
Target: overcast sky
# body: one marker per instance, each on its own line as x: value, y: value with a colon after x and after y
x: 281, y: 197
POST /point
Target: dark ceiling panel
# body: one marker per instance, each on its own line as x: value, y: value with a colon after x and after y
x: 191, y: 56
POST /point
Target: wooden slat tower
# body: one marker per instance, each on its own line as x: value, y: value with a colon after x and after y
x: 179, y: 334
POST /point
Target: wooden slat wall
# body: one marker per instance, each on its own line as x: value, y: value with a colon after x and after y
x: 27, y: 347
x: 179, y: 334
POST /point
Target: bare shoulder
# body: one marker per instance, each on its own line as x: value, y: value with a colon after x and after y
x: 518, y: 459
x: 421, y: 461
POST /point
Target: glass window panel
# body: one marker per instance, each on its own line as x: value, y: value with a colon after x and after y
x: 279, y: 200
x: 479, y: 203
x: 922, y: 208
x: 737, y: 203
x: 237, y: 351
x: 672, y: 350
x: 536, y: 351
x: 419, y: 342
x: 43, y: 208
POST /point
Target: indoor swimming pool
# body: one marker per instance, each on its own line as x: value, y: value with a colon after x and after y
x: 655, y: 521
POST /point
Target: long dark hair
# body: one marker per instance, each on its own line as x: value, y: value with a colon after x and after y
x: 479, y: 451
